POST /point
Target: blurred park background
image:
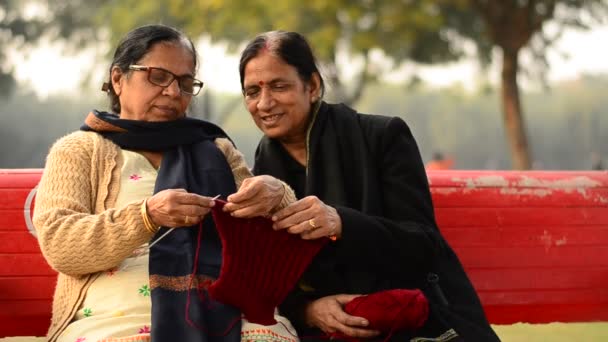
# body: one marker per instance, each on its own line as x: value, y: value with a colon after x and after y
x: 491, y: 84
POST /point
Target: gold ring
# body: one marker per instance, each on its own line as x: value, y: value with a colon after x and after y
x: 311, y: 222
x: 187, y: 220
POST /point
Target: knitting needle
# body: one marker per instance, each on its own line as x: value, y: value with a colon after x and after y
x: 170, y: 230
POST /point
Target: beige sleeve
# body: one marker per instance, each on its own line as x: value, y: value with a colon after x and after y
x: 73, y: 238
x: 241, y: 171
x: 235, y: 159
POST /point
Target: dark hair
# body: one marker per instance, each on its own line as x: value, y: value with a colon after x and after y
x: 291, y: 47
x: 136, y: 44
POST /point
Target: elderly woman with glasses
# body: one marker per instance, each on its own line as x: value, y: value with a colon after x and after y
x: 112, y: 194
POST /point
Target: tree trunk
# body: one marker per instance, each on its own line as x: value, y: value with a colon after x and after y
x: 515, y: 128
x: 361, y: 82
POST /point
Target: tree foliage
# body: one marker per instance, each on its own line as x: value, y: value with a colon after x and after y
x: 403, y: 30
x: 24, y: 23
x: 424, y: 31
x: 510, y: 26
x: 517, y: 24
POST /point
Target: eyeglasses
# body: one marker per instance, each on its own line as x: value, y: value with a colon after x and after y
x: 163, y: 78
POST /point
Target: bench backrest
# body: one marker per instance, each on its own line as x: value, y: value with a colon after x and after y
x: 26, y: 281
x: 535, y: 245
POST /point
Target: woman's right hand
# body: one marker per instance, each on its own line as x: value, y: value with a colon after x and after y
x: 327, y: 314
x: 178, y: 208
x: 310, y: 218
x: 257, y: 196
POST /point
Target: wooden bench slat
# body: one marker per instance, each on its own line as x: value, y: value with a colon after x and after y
x: 527, y: 257
x: 548, y: 296
x: 494, y: 217
x: 539, y: 279
x: 19, y: 178
x: 24, y: 326
x: 528, y: 216
x: 12, y: 220
x: 527, y: 236
x: 24, y: 265
x: 18, y: 243
x: 565, y: 312
x: 528, y: 179
x: 27, y: 288
x: 26, y: 307
x: 25, y: 317
x: 513, y: 198
x: 12, y: 198
x: 459, y: 217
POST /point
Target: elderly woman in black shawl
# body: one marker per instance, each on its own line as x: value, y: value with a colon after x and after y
x: 359, y: 180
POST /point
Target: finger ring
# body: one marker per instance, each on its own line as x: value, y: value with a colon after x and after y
x: 311, y: 222
x: 187, y: 220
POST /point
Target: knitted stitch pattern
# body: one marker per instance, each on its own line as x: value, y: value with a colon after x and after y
x: 389, y: 311
x: 79, y: 232
x: 259, y: 265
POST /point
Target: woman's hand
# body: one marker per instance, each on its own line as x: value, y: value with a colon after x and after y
x: 178, y: 208
x: 328, y: 314
x: 257, y: 196
x: 309, y: 217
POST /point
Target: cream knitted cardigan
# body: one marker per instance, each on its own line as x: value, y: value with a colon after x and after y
x: 79, y: 231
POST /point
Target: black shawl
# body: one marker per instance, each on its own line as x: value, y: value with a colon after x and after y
x: 369, y: 168
x: 181, y: 308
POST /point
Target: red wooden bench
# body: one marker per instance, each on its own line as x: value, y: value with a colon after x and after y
x: 535, y: 245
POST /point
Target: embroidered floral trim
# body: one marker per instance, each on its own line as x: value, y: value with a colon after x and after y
x: 101, y: 126
x: 179, y: 284
x: 262, y: 335
x: 134, y: 338
x: 446, y: 336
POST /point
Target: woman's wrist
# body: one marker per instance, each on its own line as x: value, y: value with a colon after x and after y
x: 287, y: 198
x: 148, y: 223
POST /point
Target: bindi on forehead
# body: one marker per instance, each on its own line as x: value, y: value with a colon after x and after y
x: 261, y: 83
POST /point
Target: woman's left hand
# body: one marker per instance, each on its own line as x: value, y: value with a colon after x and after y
x: 309, y: 217
x: 257, y: 196
x: 327, y: 314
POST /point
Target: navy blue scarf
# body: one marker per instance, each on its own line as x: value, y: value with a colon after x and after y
x: 181, y: 308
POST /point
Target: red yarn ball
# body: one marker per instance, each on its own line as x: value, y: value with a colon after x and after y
x: 391, y: 310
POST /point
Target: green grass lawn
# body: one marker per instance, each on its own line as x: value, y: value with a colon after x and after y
x: 553, y: 332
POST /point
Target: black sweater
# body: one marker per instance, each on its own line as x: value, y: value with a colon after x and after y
x: 369, y: 168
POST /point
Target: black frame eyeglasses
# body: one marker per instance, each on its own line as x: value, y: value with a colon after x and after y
x: 163, y: 78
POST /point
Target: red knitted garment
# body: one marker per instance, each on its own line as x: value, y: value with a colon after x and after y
x: 259, y: 265
x: 391, y: 310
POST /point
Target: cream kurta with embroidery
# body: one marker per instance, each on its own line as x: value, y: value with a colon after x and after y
x: 117, y: 303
